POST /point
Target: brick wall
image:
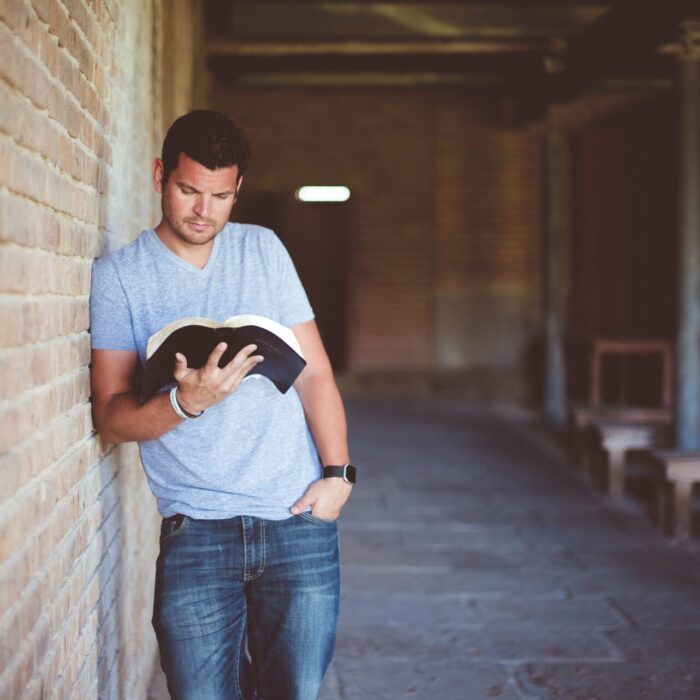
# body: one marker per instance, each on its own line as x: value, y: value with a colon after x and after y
x: 487, y: 210
x: 317, y: 137
x: 444, y: 273
x: 446, y: 223
x: 83, y: 95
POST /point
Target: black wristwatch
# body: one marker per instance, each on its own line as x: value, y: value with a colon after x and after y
x: 346, y: 472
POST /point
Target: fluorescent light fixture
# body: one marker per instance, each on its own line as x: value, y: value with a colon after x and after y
x: 323, y: 193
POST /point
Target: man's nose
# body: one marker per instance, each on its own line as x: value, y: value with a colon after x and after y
x: 202, y: 205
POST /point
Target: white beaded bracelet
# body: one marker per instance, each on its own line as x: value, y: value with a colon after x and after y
x: 179, y: 409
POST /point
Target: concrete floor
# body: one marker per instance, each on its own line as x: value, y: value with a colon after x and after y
x: 478, y: 564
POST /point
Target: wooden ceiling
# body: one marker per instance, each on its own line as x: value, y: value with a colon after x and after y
x: 548, y: 49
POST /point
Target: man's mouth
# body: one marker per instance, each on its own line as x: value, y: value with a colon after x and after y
x: 198, y: 225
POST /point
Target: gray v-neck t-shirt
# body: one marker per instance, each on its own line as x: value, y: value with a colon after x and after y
x: 251, y: 454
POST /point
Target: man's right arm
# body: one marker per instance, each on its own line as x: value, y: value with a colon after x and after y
x: 116, y: 413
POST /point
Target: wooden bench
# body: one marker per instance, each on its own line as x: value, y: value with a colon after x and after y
x: 682, y: 471
x: 616, y: 429
x: 617, y: 439
x: 586, y: 419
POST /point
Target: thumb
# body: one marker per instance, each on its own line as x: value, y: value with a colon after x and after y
x: 303, y: 503
x: 180, y: 369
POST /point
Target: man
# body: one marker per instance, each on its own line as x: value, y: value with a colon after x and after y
x: 248, y: 563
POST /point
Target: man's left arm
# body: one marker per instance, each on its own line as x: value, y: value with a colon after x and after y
x: 326, y: 418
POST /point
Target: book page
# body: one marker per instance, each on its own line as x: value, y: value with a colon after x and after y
x: 156, y: 340
x: 286, y: 334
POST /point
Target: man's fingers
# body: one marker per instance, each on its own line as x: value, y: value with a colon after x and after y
x: 216, y: 353
x: 303, y: 503
x: 239, y: 374
x: 239, y: 359
x: 250, y: 363
x: 180, y: 369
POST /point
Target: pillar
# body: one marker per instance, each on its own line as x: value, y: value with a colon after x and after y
x: 688, y: 342
x: 555, y: 232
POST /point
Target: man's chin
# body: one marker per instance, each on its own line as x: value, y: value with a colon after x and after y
x: 195, y: 237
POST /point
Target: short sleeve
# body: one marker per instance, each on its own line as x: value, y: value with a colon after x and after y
x: 294, y: 306
x: 111, y: 325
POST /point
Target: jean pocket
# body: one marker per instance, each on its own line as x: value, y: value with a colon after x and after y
x: 308, y: 515
x: 173, y: 527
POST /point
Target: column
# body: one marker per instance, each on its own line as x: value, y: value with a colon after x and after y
x: 688, y: 342
x: 556, y: 221
x: 555, y: 230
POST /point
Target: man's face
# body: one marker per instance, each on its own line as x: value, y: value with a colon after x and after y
x: 196, y: 201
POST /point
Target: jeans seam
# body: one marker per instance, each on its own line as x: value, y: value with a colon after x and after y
x: 245, y: 549
x: 239, y: 692
x: 259, y: 677
x: 263, y: 543
x: 261, y: 568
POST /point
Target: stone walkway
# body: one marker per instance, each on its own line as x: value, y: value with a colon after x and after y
x: 478, y: 565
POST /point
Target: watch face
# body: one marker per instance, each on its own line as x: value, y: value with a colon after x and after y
x: 350, y: 474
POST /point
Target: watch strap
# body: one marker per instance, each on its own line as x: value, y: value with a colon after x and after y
x: 346, y: 472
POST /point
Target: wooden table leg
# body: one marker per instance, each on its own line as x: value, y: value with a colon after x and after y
x: 616, y: 471
x: 662, y: 496
x: 682, y: 508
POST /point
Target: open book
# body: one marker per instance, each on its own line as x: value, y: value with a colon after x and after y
x: 196, y: 337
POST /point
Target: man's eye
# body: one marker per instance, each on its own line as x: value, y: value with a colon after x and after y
x: 221, y: 196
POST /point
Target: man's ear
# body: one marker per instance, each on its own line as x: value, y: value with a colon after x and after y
x: 157, y: 170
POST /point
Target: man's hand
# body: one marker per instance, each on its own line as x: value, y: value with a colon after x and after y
x: 326, y: 498
x: 210, y: 384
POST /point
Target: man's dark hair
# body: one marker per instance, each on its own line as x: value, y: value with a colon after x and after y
x: 208, y: 137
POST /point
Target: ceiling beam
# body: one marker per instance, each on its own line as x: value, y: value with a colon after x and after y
x: 472, y: 67
x: 321, y: 19
x: 363, y: 47
x: 475, y: 84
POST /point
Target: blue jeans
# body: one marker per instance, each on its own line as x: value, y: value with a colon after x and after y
x: 245, y: 607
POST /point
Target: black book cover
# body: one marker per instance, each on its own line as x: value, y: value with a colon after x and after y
x: 282, y: 365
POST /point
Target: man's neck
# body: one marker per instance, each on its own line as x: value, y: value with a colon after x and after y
x: 196, y: 255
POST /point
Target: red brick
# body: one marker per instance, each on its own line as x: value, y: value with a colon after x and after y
x: 43, y: 449
x: 34, y: 409
x: 29, y: 320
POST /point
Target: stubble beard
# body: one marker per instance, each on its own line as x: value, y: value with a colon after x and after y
x: 180, y: 230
